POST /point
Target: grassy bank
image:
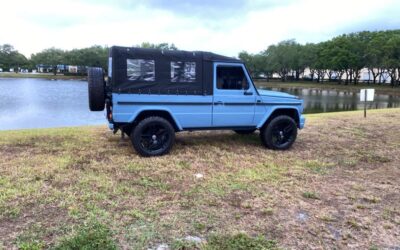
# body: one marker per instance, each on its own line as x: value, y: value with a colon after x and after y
x: 39, y: 75
x: 380, y: 89
x: 338, y: 187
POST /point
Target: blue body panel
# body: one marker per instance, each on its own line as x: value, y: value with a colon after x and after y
x: 224, y: 109
x: 188, y: 111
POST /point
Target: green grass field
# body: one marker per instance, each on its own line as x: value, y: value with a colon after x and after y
x: 338, y: 187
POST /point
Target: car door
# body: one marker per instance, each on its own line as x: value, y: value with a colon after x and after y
x: 234, y: 96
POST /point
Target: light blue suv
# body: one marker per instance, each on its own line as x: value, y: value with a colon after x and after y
x: 150, y: 94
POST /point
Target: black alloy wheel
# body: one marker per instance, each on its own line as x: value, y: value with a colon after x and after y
x: 153, y: 136
x: 280, y: 133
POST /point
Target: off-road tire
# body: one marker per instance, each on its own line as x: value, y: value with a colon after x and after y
x: 96, y: 88
x: 245, y: 131
x: 282, y: 125
x: 139, y: 136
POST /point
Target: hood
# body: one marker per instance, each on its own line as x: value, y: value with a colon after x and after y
x: 271, y: 93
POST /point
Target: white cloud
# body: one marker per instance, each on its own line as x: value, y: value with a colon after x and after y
x: 34, y: 25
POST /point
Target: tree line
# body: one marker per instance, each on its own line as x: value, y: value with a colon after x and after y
x: 10, y: 58
x: 341, y: 57
x: 94, y: 56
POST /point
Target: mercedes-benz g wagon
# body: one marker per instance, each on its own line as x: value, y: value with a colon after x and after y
x: 150, y: 94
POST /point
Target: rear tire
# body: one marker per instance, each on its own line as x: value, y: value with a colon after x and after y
x: 280, y: 133
x: 245, y: 131
x: 96, y: 88
x: 153, y: 136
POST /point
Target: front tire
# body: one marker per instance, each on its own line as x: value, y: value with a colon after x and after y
x: 280, y: 133
x: 153, y: 136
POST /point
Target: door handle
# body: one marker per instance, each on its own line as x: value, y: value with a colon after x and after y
x: 218, y: 103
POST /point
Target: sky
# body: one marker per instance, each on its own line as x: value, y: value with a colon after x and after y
x: 221, y: 26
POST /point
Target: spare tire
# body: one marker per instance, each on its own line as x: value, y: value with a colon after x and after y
x: 96, y: 89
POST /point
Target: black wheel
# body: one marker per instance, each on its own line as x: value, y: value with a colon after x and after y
x: 96, y: 89
x: 280, y: 133
x: 245, y: 131
x: 153, y: 136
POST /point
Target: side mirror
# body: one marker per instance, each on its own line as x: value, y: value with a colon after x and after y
x: 248, y: 93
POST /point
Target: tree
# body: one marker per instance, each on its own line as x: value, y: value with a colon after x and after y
x: 51, y: 57
x: 94, y: 56
x: 374, y: 55
x: 345, y: 55
x: 391, y: 59
x: 282, y: 57
x: 10, y: 58
x: 309, y: 54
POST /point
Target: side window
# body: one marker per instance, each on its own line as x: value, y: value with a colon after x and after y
x: 183, y: 71
x: 140, y: 70
x: 231, y: 77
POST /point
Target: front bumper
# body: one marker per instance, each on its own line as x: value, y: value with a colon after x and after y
x: 302, y: 121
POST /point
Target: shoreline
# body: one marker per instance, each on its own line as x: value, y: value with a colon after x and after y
x: 12, y: 75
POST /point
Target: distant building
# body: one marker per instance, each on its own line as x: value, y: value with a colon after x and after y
x: 61, y: 68
x: 72, y: 69
x: 43, y: 68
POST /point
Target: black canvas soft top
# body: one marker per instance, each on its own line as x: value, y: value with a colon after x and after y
x: 154, y: 71
x: 208, y: 56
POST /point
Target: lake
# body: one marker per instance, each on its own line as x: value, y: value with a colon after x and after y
x: 39, y: 103
x: 320, y: 101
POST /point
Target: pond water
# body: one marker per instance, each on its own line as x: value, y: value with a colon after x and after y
x: 40, y: 103
x: 320, y: 101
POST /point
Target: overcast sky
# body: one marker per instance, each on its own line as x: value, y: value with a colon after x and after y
x: 221, y: 26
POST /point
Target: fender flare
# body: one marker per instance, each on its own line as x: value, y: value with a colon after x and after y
x: 155, y: 109
x: 274, y: 109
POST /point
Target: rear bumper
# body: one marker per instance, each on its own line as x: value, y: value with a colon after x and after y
x: 302, y: 121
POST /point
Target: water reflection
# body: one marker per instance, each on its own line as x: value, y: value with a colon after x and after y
x: 39, y: 103
x: 322, y: 100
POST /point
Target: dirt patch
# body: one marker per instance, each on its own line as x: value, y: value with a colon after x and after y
x: 34, y: 223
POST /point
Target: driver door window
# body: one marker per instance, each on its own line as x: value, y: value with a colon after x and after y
x: 231, y: 77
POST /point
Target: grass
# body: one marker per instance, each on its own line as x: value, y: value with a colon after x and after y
x: 39, y: 75
x: 380, y: 89
x: 310, y: 195
x: 92, y: 235
x: 337, y: 186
